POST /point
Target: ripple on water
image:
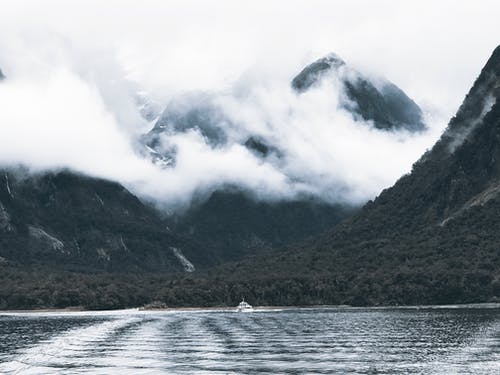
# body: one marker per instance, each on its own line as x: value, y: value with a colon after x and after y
x: 363, y: 341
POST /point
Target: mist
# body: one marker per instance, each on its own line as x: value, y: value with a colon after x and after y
x: 74, y: 73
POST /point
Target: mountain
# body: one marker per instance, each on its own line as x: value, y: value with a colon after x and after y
x: 377, y: 100
x: 79, y: 223
x: 194, y: 111
x: 230, y: 222
x: 429, y: 239
x: 432, y: 238
x: 1, y: 75
x: 369, y: 99
x: 72, y: 222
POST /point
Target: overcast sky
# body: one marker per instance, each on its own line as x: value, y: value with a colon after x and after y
x: 72, y: 67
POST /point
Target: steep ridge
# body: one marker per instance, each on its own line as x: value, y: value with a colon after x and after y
x: 431, y: 238
x: 461, y: 165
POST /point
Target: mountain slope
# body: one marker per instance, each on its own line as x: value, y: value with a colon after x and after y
x: 83, y: 224
x: 431, y: 238
x: 229, y: 222
x: 78, y: 223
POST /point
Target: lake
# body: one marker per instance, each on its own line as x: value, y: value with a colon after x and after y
x: 447, y: 340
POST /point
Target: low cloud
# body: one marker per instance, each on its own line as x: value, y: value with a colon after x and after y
x: 74, y: 74
x: 321, y: 149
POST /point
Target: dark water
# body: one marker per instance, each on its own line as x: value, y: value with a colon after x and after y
x: 292, y: 341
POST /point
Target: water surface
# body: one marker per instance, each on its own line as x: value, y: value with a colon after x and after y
x: 290, y: 341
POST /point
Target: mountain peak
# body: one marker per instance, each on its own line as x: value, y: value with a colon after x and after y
x: 2, y: 76
x: 375, y: 100
x: 313, y: 72
x: 494, y: 60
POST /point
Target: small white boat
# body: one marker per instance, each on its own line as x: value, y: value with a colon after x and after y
x: 244, y: 307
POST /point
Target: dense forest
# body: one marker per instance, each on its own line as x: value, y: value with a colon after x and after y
x: 432, y: 238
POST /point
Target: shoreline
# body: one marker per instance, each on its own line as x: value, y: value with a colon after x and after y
x: 79, y: 310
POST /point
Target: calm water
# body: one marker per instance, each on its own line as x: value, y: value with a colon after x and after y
x: 292, y: 341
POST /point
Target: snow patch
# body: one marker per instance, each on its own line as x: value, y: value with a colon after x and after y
x: 7, y: 185
x: 99, y: 199
x: 102, y: 254
x: 149, y: 109
x: 159, y: 159
x: 52, y: 241
x: 77, y: 245
x: 188, y: 266
x: 123, y: 244
x: 5, y: 220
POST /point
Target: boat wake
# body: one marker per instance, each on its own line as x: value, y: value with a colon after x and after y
x: 321, y: 341
x: 77, y: 347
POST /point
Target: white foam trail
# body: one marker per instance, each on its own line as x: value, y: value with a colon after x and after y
x: 293, y: 341
x: 69, y: 349
x: 51, y: 313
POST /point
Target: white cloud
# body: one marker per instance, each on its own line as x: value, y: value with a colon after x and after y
x: 59, y: 121
x: 73, y: 69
